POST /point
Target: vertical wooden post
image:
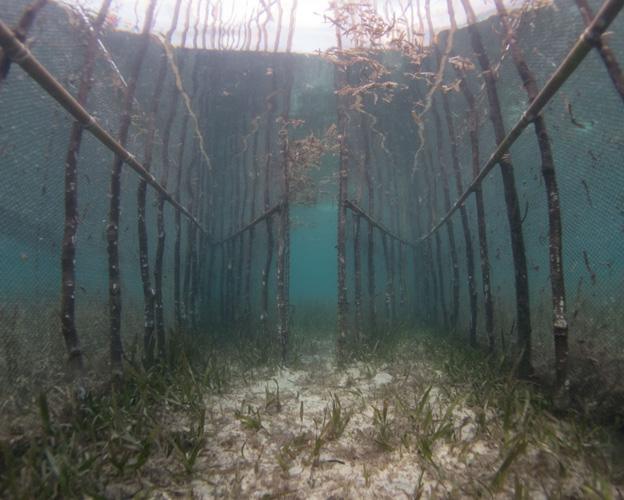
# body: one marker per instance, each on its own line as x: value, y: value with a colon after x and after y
x: 555, y: 238
x: 160, y: 217
x: 340, y: 80
x: 283, y: 249
x: 370, y: 248
x: 472, y: 289
x: 271, y: 105
x: 473, y: 132
x: 68, y: 249
x: 112, y: 230
x: 252, y: 211
x: 433, y: 204
x: 148, y: 290
x: 181, y: 296
x: 523, y: 310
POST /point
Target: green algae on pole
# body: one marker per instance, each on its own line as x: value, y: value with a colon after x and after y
x: 555, y: 238
x: 68, y: 248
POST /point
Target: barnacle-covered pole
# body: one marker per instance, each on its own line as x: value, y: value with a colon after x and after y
x: 340, y: 81
x: 357, y: 245
x: 183, y: 307
x: 450, y: 231
x: 472, y: 289
x: 357, y: 276
x: 242, y: 214
x: 430, y: 287
x: 283, y: 248
x: 148, y: 290
x: 181, y: 286
x: 470, y: 270
x: 555, y: 238
x: 432, y: 189
x: 271, y: 105
x: 112, y: 230
x: 370, y: 246
x: 160, y: 217
x: 514, y: 217
x: 473, y: 133
x: 252, y: 211
x: 68, y: 248
x: 441, y: 60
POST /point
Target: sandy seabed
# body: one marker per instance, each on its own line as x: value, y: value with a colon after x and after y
x: 281, y: 435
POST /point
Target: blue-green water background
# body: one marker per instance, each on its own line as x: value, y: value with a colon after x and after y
x: 33, y: 142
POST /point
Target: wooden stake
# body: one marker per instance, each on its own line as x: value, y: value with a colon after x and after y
x: 555, y: 238
x: 606, y: 54
x: 112, y: 230
x: 514, y: 217
x: 68, y: 249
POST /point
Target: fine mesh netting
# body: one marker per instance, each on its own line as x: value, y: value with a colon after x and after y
x: 311, y: 249
x: 300, y: 171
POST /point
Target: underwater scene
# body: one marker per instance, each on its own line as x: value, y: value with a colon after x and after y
x: 325, y: 249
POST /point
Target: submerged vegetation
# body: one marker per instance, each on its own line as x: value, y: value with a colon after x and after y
x: 448, y: 421
x: 453, y: 363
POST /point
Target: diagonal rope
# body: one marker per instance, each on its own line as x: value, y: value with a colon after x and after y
x: 21, y: 55
x: 589, y: 39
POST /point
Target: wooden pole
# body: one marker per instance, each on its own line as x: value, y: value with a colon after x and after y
x: 606, y: 54
x: 341, y: 80
x: 148, y: 290
x: 370, y: 246
x: 112, y: 229
x: 271, y: 105
x: 160, y: 216
x: 512, y: 204
x: 68, y: 249
x: 252, y: 209
x: 555, y: 230
x: 450, y: 230
x: 470, y: 271
x: 473, y: 132
x: 283, y: 249
x: 181, y: 286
